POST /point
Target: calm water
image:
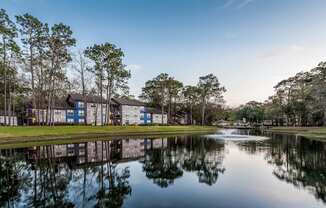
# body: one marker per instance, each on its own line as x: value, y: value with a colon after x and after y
x: 229, y: 169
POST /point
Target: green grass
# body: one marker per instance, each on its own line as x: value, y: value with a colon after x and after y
x: 35, y: 134
x: 318, y: 133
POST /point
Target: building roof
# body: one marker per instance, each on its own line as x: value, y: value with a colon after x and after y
x: 89, y: 98
x: 59, y: 103
x: 127, y: 101
x: 153, y: 110
x: 2, y: 113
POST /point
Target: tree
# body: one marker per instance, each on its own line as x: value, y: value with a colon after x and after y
x: 162, y: 91
x: 59, y: 42
x: 13, y: 82
x: 156, y: 91
x: 31, y: 31
x: 294, y: 98
x: 319, y: 88
x: 82, y: 69
x: 42, y: 67
x: 253, y: 112
x: 190, y: 95
x: 108, y: 66
x: 209, y: 89
x: 174, y: 89
x: 8, y: 32
x: 116, y: 76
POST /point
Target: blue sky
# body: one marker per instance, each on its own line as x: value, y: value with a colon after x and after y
x: 249, y: 45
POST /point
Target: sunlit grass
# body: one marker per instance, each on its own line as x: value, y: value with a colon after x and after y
x: 46, y: 133
x: 308, y: 132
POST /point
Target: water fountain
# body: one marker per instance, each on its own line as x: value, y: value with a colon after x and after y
x: 235, y: 135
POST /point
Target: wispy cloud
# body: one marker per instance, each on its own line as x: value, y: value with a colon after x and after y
x: 238, y: 4
x: 244, y: 3
x: 227, y: 3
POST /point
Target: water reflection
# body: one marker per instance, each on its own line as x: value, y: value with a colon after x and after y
x: 88, y: 174
x: 295, y: 160
x: 202, y: 156
x: 104, y: 173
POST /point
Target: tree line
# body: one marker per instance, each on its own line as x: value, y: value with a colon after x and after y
x: 36, y: 59
x: 202, y: 102
x: 299, y: 100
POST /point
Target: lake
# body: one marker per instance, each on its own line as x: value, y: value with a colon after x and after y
x: 231, y: 168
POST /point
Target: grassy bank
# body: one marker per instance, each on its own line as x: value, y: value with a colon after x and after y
x: 308, y: 132
x: 35, y: 134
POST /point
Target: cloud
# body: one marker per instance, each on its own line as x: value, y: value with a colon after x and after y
x: 238, y: 4
x: 133, y: 67
x: 227, y: 4
x: 244, y: 3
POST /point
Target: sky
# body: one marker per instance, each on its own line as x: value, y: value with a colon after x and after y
x: 250, y: 45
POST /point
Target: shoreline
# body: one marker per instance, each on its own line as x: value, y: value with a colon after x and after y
x: 314, y: 133
x: 58, y: 135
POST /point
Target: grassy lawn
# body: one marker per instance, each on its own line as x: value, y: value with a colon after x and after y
x: 9, y: 135
x: 308, y: 132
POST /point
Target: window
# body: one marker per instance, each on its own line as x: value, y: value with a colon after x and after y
x: 141, y: 117
x: 81, y: 104
x: 70, y: 112
x: 81, y: 113
x: 81, y: 120
x: 70, y: 120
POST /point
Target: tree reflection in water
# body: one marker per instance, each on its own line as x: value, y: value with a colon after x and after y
x: 160, y: 164
x: 296, y: 160
x: 90, y: 174
x: 97, y: 174
x: 192, y: 154
x: 204, y: 156
x: 62, y: 176
x: 13, y: 180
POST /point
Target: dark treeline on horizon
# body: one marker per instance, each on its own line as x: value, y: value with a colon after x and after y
x: 298, y: 101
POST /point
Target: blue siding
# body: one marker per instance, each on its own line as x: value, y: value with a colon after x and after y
x: 147, y: 118
x: 75, y: 115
